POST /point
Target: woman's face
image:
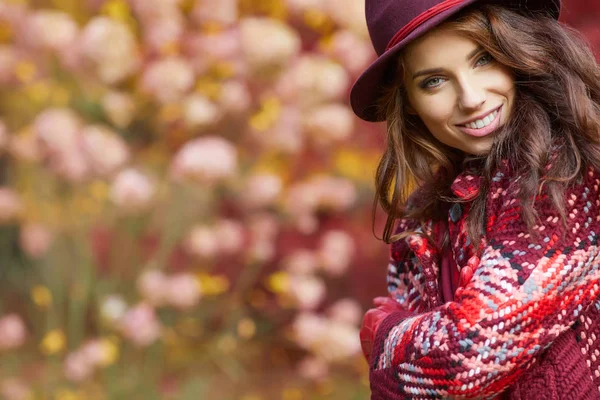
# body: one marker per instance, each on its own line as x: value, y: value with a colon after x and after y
x: 457, y: 89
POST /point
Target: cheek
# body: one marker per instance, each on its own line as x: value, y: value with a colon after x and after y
x: 434, y: 110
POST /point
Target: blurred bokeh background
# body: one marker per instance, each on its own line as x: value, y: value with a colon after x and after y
x: 185, y: 198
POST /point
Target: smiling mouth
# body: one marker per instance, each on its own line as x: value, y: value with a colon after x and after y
x: 482, y: 122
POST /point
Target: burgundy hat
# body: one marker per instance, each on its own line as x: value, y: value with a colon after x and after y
x: 395, y: 23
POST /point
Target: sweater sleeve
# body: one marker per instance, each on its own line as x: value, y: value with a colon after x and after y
x: 526, y: 291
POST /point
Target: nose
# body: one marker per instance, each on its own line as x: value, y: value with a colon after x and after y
x: 471, y: 95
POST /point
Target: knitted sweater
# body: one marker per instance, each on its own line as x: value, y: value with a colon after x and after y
x: 526, y: 321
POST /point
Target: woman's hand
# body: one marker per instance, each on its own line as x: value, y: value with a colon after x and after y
x: 372, y: 319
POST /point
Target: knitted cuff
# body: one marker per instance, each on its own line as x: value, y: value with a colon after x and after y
x: 382, y: 333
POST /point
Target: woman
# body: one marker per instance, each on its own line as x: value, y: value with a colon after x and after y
x: 491, y: 183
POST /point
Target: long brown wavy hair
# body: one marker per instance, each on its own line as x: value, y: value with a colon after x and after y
x: 556, y: 112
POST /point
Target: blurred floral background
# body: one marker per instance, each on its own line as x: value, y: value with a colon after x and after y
x: 185, y: 198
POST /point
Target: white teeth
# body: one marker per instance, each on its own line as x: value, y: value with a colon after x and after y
x: 481, y: 123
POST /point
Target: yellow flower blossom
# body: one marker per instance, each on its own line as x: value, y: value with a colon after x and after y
x: 246, y: 328
x: 267, y: 116
x: 53, y: 342
x: 99, y: 190
x: 110, y: 351
x: 212, y: 285
x: 170, y: 113
x: 291, y: 394
x: 211, y: 28
x: 209, y: 88
x: 25, y: 71
x: 222, y: 70
x: 66, y: 394
x: 60, y: 96
x: 39, y: 92
x: 6, y: 32
x: 41, y: 295
x: 279, y: 282
x: 319, y: 21
x: 117, y: 9
x: 251, y: 397
x: 355, y: 165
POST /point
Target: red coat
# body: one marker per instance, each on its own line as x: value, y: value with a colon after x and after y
x: 526, y: 325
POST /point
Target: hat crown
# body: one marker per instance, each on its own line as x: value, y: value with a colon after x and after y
x: 386, y: 17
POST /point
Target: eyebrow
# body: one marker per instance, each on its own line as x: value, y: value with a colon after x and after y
x: 439, y: 70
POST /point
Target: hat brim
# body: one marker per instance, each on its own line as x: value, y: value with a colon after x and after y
x: 367, y: 89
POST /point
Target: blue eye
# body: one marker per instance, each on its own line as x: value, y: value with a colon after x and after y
x: 484, y: 59
x: 431, y: 83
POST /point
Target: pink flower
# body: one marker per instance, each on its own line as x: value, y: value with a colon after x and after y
x: 151, y: 9
x: 224, y: 46
x: 164, y: 30
x: 12, y: 332
x: 152, y: 286
x: 229, y: 235
x: 268, y: 43
x: 50, y: 29
x: 57, y: 129
x: 328, y: 340
x: 105, y: 150
x: 263, y: 229
x: 313, y: 368
x: 183, y: 291
x: 262, y: 190
x: 77, y: 368
x: 263, y: 226
x: 111, y: 48
x: 11, y: 205
x: 132, y: 191
x: 15, y: 389
x: 313, y: 80
x: 301, y: 6
x: 169, y: 79
x: 336, y: 252
x: 206, y: 160
x: 329, y: 124
x: 224, y: 12
x: 94, y: 352
x: 303, y: 199
x: 350, y: 50
x: 59, y: 133
x: 202, y: 242
x: 35, y: 239
x: 335, y: 193
x: 338, y: 342
x: 234, y: 97
x: 8, y: 60
x: 346, y: 311
x: 199, y: 111
x: 140, y: 325
x: 307, y: 291
x: 308, y: 329
x: 119, y: 108
x: 284, y: 134
x: 349, y: 14
x: 71, y: 165
x: 301, y: 262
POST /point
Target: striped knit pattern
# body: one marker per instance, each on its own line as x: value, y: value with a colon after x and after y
x: 527, y: 290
